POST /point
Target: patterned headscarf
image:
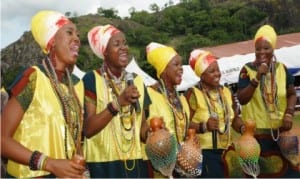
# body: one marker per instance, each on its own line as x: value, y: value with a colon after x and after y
x: 266, y: 32
x: 44, y: 26
x: 99, y: 37
x: 199, y: 60
x: 159, y: 56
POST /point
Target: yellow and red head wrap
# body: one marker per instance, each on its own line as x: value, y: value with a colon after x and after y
x: 159, y: 56
x: 44, y: 26
x: 199, y: 60
x: 99, y: 37
x: 267, y: 33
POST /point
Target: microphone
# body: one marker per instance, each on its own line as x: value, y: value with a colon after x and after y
x: 263, y: 76
x: 214, y: 133
x: 214, y: 139
x: 129, y: 81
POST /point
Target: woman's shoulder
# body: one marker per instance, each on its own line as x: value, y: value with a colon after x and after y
x: 24, y: 76
x: 89, y: 76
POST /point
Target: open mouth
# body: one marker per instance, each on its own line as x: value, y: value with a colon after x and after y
x: 75, y: 50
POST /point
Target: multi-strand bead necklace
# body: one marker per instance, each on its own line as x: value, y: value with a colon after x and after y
x: 127, y: 116
x: 268, y: 90
x: 72, y: 110
x: 181, y: 121
x: 211, y: 103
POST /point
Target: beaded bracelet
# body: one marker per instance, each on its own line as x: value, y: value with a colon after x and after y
x: 290, y: 111
x: 111, y: 109
x: 202, y: 127
x: 288, y: 115
x: 34, y: 160
x: 42, y: 162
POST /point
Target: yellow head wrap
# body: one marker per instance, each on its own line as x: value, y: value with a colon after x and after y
x: 99, y: 37
x: 268, y: 33
x: 199, y: 60
x: 159, y: 56
x: 44, y: 26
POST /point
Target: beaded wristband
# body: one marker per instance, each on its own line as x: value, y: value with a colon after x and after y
x: 111, y: 109
x: 290, y: 111
x: 34, y: 160
x: 288, y: 115
x: 202, y: 127
x: 42, y: 162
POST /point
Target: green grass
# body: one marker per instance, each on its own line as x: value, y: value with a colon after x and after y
x: 297, y: 118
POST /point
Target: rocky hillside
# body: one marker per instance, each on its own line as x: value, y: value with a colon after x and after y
x: 25, y: 51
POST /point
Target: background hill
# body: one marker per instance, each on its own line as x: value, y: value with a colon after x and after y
x: 185, y: 26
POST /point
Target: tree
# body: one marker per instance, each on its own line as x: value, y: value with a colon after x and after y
x: 68, y: 14
x: 108, y: 13
x: 131, y: 11
x: 154, y: 7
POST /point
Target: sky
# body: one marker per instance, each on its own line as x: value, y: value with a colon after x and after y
x: 16, y: 14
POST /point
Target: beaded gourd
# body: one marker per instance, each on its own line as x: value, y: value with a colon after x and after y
x: 248, y: 150
x: 289, y: 146
x: 189, y: 157
x: 161, y: 147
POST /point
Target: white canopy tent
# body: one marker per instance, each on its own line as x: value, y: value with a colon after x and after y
x: 131, y: 67
x: 229, y: 67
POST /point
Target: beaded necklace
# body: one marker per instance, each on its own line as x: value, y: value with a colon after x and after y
x: 127, y: 113
x: 127, y: 117
x: 212, y: 109
x: 268, y: 90
x: 177, y: 112
x: 72, y: 110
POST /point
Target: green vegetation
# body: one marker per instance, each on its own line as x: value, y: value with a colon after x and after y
x: 195, y: 24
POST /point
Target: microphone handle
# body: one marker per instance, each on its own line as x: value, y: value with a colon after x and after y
x: 214, y: 139
x: 136, y: 105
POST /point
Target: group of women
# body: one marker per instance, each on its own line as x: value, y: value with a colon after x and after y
x: 51, y: 116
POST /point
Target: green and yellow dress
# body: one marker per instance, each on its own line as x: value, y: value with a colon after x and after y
x: 116, y: 151
x: 204, y: 104
x: 43, y: 126
x: 267, y: 108
x: 176, y: 120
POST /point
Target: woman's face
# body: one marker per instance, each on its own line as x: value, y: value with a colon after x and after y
x: 116, y: 53
x: 66, y: 45
x: 263, y: 52
x: 173, y: 72
x: 212, y: 75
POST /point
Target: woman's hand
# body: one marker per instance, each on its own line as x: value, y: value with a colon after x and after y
x: 212, y: 124
x: 129, y: 96
x: 287, y: 123
x: 65, y: 168
x: 262, y: 70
